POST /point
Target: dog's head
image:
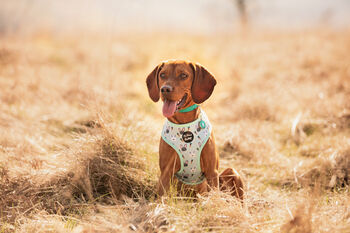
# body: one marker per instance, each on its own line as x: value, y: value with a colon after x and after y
x: 179, y: 84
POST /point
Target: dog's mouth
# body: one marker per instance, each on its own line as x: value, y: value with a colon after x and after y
x: 181, y: 102
x: 170, y: 107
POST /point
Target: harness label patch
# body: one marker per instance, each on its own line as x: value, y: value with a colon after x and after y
x: 187, y: 136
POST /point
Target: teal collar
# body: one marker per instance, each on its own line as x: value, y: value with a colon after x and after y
x: 189, y: 109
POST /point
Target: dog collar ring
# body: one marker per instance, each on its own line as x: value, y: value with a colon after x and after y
x: 202, y: 124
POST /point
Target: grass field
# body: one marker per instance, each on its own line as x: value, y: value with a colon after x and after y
x: 79, y: 135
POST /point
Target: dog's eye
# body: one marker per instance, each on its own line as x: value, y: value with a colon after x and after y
x: 183, y: 76
x: 162, y: 75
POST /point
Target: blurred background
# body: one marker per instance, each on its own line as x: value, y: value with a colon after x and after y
x: 206, y: 16
x: 76, y: 118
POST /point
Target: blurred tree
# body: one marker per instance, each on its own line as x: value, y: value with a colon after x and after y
x: 242, y: 10
x: 13, y: 14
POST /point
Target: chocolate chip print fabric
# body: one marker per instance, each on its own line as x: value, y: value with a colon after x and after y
x: 188, y: 141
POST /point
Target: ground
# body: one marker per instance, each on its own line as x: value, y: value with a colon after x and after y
x: 79, y: 134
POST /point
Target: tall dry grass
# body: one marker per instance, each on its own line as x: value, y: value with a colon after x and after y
x: 79, y: 135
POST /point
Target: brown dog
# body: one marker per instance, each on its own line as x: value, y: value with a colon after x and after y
x: 181, y: 86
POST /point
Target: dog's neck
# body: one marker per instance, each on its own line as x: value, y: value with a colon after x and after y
x: 185, y: 117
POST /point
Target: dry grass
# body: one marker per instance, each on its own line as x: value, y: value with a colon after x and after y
x: 79, y: 136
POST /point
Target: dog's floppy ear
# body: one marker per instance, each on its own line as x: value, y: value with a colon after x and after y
x: 152, y: 83
x: 202, y: 85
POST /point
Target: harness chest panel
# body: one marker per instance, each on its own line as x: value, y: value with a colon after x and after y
x: 188, y: 141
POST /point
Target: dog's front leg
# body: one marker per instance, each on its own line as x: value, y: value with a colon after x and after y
x: 210, y: 164
x: 213, y: 179
x: 169, y: 164
x: 164, y: 183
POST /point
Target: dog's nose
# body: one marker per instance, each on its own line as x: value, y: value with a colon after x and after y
x: 166, y: 88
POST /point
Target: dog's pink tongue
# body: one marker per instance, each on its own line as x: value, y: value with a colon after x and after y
x: 169, y: 108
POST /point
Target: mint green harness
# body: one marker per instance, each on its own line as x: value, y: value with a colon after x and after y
x: 188, y: 141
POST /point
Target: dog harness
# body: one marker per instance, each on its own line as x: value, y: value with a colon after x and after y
x: 188, y: 141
